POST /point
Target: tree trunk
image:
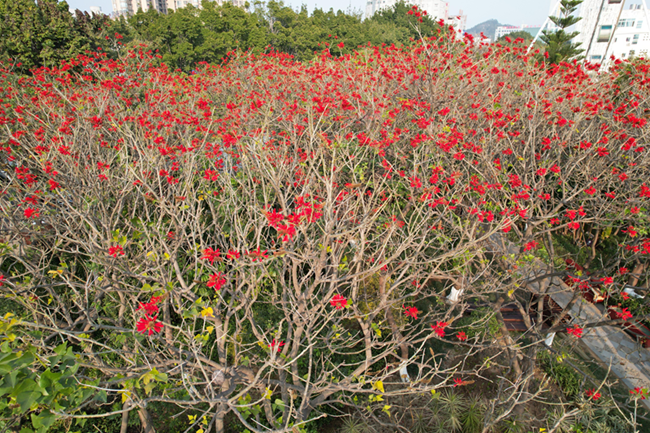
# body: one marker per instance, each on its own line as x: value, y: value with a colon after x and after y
x: 145, y: 420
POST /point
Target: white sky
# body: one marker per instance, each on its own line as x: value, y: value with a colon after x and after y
x: 514, y: 12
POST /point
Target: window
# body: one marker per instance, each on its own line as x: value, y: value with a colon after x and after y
x: 623, y: 56
x: 639, y: 24
x: 605, y: 33
x: 596, y: 57
x: 635, y: 40
x: 631, y: 53
x: 626, y: 22
x: 613, y: 2
x: 627, y: 39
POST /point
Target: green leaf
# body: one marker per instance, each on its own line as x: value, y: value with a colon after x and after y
x: 44, y: 419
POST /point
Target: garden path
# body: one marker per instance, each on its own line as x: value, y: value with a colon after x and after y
x: 628, y: 360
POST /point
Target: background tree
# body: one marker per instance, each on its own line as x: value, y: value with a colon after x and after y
x: 558, y: 42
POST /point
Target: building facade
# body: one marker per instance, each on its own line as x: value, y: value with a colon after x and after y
x: 129, y: 7
x: 437, y: 9
x: 612, y: 28
x: 506, y: 30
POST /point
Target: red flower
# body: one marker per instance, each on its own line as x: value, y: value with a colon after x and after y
x: 590, y: 191
x: 2, y: 280
x: 411, y: 311
x: 530, y: 246
x: 593, y: 394
x: 625, y: 313
x: 216, y: 281
x: 232, y: 254
x: 630, y: 231
x: 149, y: 324
x: 640, y: 391
x: 31, y: 213
x: 458, y: 382
x: 53, y: 184
x: 275, y: 344
x: 287, y: 232
x: 341, y: 45
x: 573, y: 225
x: 211, y: 255
x: 258, y: 255
x: 439, y: 328
x: 115, y: 250
x: 149, y: 308
x: 575, y: 331
x: 461, y: 336
x: 338, y: 301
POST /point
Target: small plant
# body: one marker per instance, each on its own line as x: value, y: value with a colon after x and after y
x: 353, y: 425
x: 473, y: 416
x: 513, y: 425
x: 450, y: 408
x: 420, y: 422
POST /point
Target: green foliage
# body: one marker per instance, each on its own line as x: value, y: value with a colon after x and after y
x: 558, y: 43
x: 45, y: 33
x: 564, y: 375
x: 33, y: 387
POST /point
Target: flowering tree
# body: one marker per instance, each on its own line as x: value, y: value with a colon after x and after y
x: 267, y: 238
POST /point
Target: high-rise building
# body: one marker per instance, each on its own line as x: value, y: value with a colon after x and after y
x: 437, y: 9
x: 608, y: 28
x: 129, y: 7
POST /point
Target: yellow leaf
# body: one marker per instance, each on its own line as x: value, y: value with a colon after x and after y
x: 199, y: 430
x: 267, y: 394
x: 125, y: 396
x: 192, y: 418
x: 210, y: 329
x: 379, y: 386
x: 207, y: 312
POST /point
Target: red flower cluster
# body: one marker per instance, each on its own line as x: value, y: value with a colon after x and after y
x: 576, y: 331
x: 211, y: 255
x: 276, y: 344
x: 439, y: 328
x: 640, y: 392
x: 338, y: 302
x: 216, y: 281
x: 115, y: 251
x: 149, y: 325
x: 411, y: 312
x: 593, y: 394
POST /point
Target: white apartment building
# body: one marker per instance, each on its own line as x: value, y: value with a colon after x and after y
x: 613, y: 28
x: 506, y: 30
x: 129, y: 7
x: 458, y: 21
x: 438, y: 9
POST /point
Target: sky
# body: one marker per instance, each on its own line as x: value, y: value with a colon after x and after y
x: 514, y: 12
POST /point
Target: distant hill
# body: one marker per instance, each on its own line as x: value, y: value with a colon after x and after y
x: 488, y: 28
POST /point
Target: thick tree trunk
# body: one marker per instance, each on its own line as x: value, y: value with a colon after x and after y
x: 145, y: 420
x: 125, y: 416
